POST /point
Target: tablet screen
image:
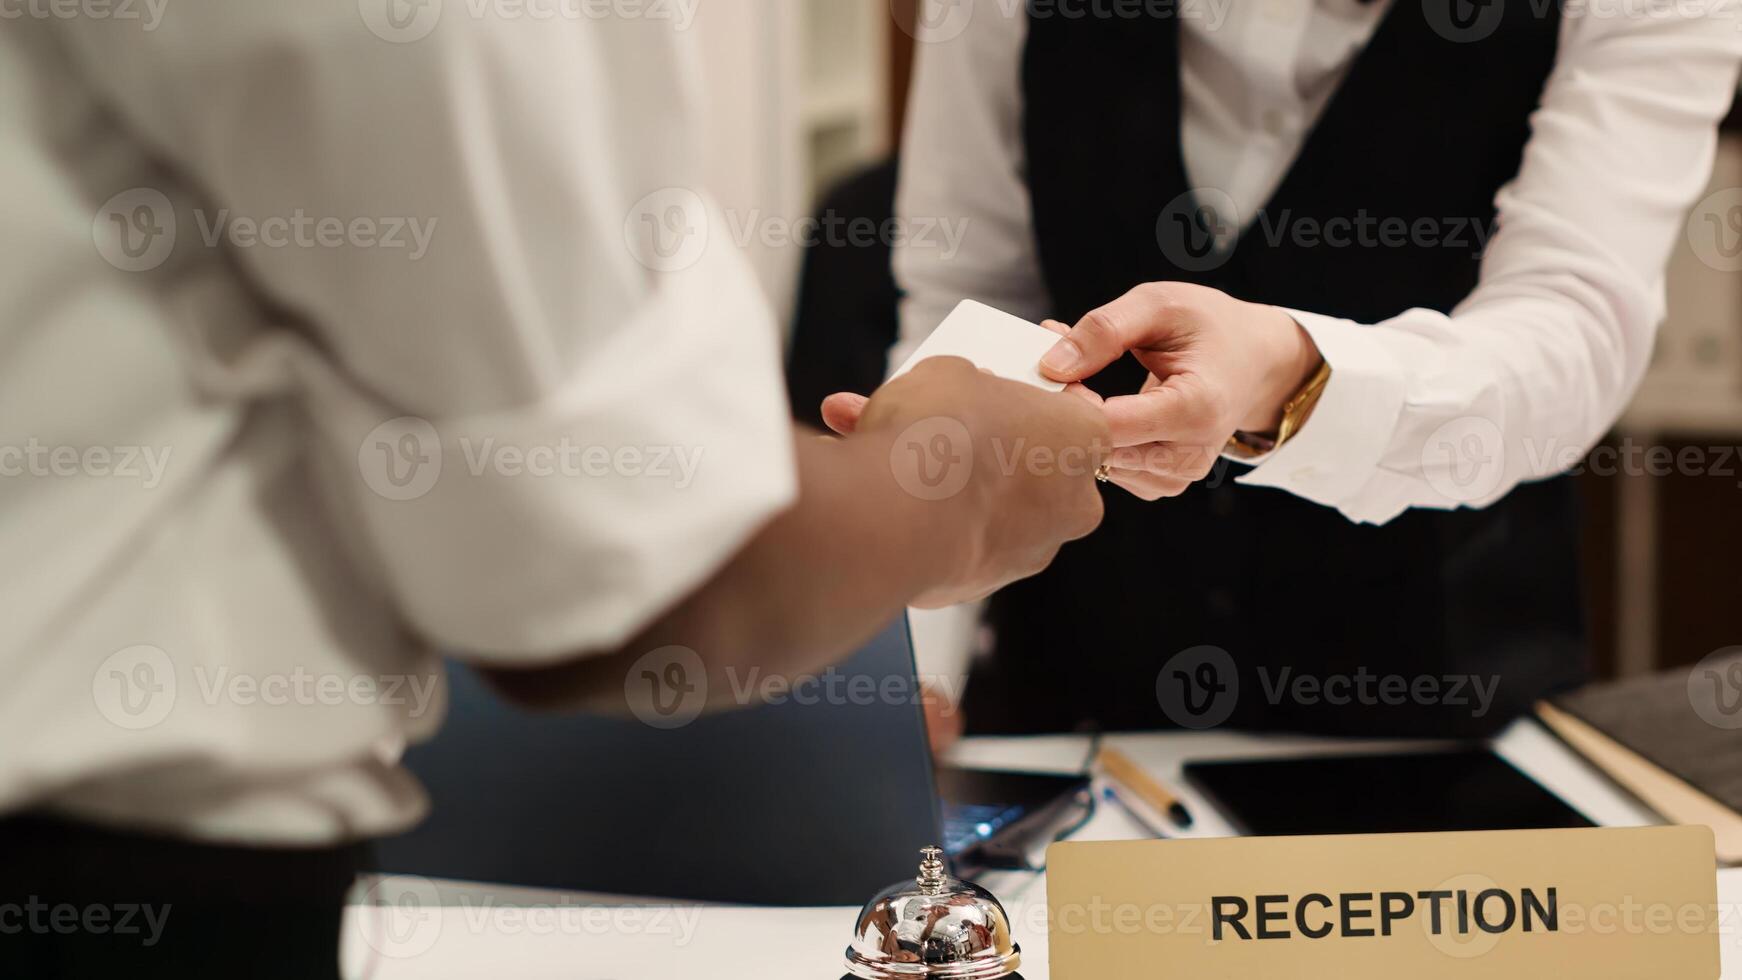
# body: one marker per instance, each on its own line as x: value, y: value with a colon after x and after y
x: 1459, y: 789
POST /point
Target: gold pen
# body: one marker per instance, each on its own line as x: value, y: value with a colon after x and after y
x: 1118, y: 767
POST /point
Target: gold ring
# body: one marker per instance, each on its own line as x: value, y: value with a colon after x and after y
x: 1104, y: 473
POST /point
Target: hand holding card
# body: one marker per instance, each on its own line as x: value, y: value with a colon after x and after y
x: 992, y: 340
x: 1008, y: 468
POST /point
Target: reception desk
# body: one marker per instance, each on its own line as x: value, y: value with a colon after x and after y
x: 467, y: 931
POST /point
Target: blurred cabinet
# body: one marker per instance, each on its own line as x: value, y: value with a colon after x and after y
x: 845, y: 87
x: 1663, y: 543
x: 1695, y: 382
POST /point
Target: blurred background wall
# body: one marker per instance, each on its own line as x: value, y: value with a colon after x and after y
x: 803, y: 93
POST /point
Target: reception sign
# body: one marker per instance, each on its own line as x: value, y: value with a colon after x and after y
x: 1596, y: 904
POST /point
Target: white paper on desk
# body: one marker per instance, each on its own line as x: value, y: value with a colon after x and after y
x: 1006, y: 345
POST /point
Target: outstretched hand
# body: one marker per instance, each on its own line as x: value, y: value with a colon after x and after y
x: 1216, y: 365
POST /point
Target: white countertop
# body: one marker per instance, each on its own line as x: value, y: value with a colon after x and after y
x: 526, y: 934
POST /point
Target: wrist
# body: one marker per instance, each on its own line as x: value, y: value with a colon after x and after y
x: 1291, y: 361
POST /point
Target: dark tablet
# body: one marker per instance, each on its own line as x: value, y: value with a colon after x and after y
x: 1456, y: 789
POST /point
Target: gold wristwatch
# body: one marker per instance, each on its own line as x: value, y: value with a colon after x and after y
x: 1249, y: 445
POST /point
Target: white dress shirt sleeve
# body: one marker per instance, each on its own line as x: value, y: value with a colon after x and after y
x: 1425, y: 409
x: 1527, y: 373
x: 603, y: 410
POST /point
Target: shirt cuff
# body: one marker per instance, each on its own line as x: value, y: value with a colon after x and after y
x: 1337, y: 452
x: 545, y: 531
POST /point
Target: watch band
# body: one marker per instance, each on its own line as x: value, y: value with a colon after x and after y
x: 1248, y: 445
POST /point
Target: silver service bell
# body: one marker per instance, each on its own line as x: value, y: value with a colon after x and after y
x: 933, y: 926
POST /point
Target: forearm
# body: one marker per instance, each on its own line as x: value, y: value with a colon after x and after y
x: 814, y: 583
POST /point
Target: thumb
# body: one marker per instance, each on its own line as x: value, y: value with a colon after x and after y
x: 841, y: 412
x: 1140, y: 318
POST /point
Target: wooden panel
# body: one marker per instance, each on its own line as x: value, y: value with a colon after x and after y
x: 1599, y: 505
x: 1699, y: 593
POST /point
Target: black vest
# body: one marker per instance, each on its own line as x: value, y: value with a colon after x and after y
x: 1427, y: 125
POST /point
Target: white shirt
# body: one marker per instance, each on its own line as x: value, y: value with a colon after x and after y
x: 239, y: 241
x: 1535, y: 365
x: 1424, y: 409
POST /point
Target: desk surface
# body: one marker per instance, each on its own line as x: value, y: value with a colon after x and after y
x: 528, y: 934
